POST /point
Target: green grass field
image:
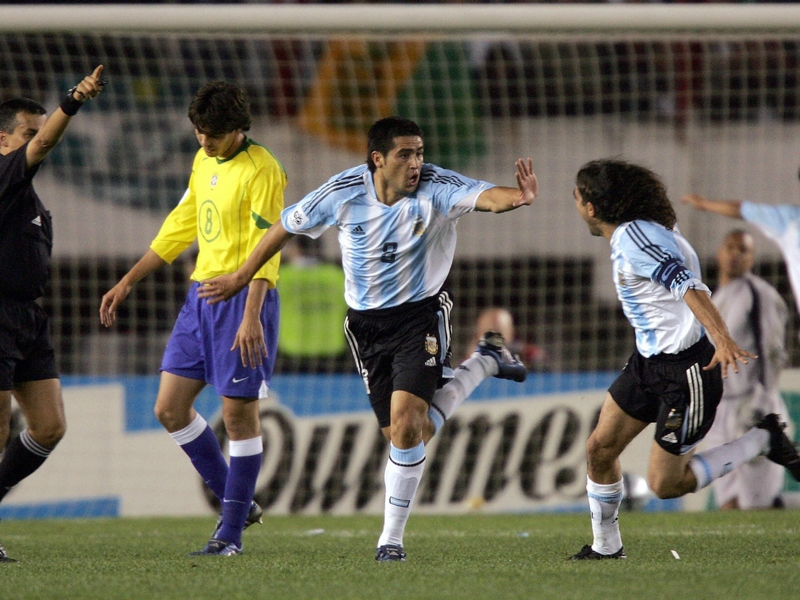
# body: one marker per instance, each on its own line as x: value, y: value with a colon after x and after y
x: 734, y: 556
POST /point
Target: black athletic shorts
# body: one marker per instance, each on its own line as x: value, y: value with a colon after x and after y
x: 403, y: 348
x: 26, y: 350
x: 673, y: 391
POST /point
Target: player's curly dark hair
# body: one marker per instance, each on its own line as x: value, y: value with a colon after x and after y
x: 219, y: 108
x: 11, y: 108
x: 621, y: 191
x: 382, y: 133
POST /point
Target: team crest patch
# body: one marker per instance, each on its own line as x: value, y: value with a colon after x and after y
x: 419, y: 226
x: 674, y: 420
x: 431, y: 344
x: 214, y: 179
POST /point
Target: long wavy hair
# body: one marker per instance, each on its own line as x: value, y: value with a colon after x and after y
x: 621, y: 191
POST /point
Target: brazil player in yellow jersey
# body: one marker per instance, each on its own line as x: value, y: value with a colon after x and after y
x: 235, y: 193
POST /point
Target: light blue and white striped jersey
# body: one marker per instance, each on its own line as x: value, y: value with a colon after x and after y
x: 390, y: 254
x: 781, y: 224
x: 653, y: 269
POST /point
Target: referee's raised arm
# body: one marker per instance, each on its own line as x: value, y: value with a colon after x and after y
x: 50, y: 134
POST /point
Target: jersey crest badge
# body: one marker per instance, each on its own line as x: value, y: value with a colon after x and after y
x: 419, y: 226
x: 674, y: 420
x: 431, y: 344
x: 214, y: 180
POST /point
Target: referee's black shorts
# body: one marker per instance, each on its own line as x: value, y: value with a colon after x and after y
x: 26, y: 350
x: 674, y: 392
x: 403, y: 348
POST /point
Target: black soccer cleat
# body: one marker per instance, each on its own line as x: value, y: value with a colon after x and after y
x: 390, y: 552
x: 5, y: 558
x: 587, y: 553
x: 781, y: 449
x: 509, y: 366
x: 216, y: 547
x: 254, y: 516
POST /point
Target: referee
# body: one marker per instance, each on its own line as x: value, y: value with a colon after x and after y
x: 27, y: 358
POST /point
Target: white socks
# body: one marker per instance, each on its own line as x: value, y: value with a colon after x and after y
x: 191, y: 432
x: 402, y: 476
x: 716, y: 462
x: 405, y: 467
x: 604, y: 501
x: 466, y: 378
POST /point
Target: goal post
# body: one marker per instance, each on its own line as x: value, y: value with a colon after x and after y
x: 400, y: 18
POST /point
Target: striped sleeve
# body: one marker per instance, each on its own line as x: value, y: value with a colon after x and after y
x: 317, y: 211
x: 449, y: 191
x: 652, y: 251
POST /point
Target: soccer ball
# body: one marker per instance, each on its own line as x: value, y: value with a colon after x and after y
x: 637, y: 493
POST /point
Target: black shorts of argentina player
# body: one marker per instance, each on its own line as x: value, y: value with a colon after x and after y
x: 27, y: 359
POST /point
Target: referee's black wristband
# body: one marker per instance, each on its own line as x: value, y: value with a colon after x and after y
x: 70, y: 106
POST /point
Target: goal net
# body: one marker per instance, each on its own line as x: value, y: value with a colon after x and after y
x: 713, y: 112
x: 710, y: 104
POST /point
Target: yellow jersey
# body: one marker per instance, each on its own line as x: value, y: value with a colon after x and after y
x: 228, y: 206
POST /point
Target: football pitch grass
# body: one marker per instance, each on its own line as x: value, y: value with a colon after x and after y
x: 734, y: 556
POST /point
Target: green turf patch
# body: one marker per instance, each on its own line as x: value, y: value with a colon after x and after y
x: 721, y: 555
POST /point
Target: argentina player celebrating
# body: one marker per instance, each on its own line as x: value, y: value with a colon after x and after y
x: 674, y: 379
x: 396, y: 218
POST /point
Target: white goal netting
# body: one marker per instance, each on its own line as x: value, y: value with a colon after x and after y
x: 707, y: 96
x: 711, y: 111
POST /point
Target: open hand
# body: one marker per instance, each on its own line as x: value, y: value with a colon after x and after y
x: 729, y: 355
x: 527, y: 182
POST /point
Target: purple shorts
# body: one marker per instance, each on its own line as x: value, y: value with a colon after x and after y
x: 200, y: 345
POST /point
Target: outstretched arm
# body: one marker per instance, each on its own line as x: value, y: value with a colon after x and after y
x: 501, y: 199
x: 225, y: 287
x: 728, y: 208
x: 146, y: 265
x: 55, y: 126
x: 727, y: 352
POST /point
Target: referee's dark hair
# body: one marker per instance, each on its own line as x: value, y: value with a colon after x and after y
x: 219, y: 108
x: 11, y: 108
x: 382, y: 133
x: 621, y: 191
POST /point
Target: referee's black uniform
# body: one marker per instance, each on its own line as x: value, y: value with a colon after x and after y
x: 26, y: 242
